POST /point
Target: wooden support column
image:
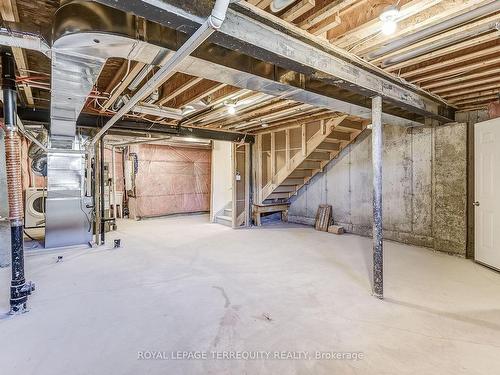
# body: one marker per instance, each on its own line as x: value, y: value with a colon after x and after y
x: 304, y: 140
x: 287, y: 148
x: 378, y: 259
x: 273, y: 155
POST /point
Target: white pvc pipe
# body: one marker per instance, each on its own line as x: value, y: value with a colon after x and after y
x: 213, y: 23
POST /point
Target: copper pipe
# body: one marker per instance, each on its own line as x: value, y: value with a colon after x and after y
x: 13, y: 168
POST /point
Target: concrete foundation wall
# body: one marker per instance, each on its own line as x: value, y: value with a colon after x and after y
x: 424, y: 185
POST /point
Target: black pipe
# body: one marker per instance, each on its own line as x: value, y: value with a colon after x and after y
x: 250, y: 183
x: 93, y: 193
x: 19, y: 288
x: 101, y: 181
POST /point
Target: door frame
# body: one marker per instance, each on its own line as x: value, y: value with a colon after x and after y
x: 246, y: 221
x: 471, y: 181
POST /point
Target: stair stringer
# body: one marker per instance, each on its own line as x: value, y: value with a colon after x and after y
x: 294, y: 162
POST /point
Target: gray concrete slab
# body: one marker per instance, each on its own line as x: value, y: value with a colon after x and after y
x: 183, y: 284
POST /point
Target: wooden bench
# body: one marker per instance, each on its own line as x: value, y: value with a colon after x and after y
x: 259, y: 209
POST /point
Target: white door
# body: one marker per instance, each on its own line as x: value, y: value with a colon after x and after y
x: 487, y: 192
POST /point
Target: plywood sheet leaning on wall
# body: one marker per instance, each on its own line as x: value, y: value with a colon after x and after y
x: 323, y: 217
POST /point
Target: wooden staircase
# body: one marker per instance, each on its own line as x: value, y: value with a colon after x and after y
x: 287, y: 158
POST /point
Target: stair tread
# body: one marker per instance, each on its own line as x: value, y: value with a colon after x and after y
x: 224, y: 217
x: 327, y: 146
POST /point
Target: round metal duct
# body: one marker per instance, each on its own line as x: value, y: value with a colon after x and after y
x: 39, y: 165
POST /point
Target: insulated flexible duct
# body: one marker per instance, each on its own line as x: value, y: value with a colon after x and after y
x: 14, y: 183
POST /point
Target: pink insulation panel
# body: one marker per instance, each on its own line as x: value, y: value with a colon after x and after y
x: 170, y: 180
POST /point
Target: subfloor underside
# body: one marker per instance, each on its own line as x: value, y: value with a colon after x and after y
x: 183, y: 284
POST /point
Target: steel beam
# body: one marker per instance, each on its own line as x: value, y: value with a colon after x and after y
x: 262, y: 36
x: 86, y: 120
x: 91, y: 29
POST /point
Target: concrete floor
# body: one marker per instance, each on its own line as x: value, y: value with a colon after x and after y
x: 183, y: 284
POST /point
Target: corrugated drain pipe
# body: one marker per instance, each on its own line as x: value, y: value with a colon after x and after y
x: 19, y: 288
x: 213, y: 23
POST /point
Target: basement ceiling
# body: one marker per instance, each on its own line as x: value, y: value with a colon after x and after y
x: 459, y: 62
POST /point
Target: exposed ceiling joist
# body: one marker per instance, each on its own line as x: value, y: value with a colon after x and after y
x: 283, y: 114
x: 298, y: 9
x: 456, y: 98
x: 424, y: 19
x: 8, y: 10
x: 470, y: 84
x: 478, y: 99
x: 456, y: 34
x: 476, y: 88
x: 459, y: 69
x: 322, y: 15
x: 195, y: 93
x: 462, y: 58
x: 444, y: 51
x: 122, y: 85
x: 251, y: 31
x: 374, y: 25
x: 172, y: 88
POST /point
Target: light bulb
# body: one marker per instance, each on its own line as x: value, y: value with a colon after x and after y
x: 231, y: 109
x: 389, y: 27
x: 389, y: 20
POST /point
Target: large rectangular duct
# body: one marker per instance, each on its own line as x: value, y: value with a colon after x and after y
x: 68, y: 210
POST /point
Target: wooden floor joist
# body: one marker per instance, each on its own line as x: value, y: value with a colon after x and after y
x: 9, y: 13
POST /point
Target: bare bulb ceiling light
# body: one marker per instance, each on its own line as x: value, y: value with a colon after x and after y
x: 389, y: 20
x: 231, y: 107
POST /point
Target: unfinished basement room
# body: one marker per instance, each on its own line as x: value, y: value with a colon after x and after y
x: 249, y: 187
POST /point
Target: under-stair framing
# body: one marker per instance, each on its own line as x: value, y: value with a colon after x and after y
x: 288, y: 157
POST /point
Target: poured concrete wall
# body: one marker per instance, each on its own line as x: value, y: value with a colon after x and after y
x: 424, y: 184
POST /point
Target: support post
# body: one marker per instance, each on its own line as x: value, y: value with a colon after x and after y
x: 113, y: 176
x: 101, y: 191
x: 97, y: 196
x: 377, y: 147
x: 20, y: 289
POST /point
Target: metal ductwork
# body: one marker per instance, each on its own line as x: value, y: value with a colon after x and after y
x: 38, y: 155
x: 77, y: 61
x: 87, y: 33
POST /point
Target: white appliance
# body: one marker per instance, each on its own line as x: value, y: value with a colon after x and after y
x: 34, y: 208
